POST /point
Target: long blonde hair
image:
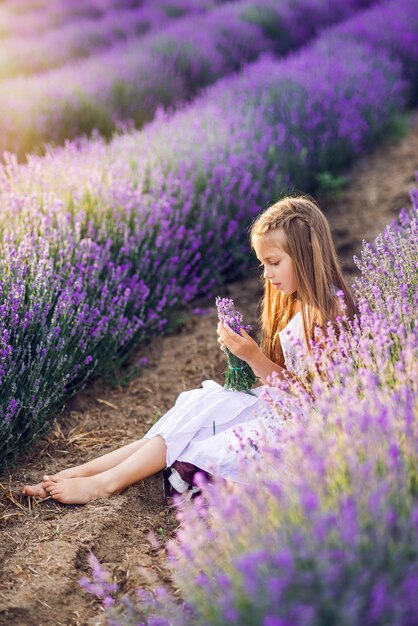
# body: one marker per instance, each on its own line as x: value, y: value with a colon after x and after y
x: 317, y: 272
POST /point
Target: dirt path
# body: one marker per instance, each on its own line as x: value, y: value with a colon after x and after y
x: 44, y: 546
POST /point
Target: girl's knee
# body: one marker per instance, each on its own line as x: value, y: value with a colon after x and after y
x: 161, y: 441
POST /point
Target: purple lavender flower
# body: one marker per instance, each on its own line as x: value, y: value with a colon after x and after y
x: 101, y: 586
x: 238, y: 375
x: 228, y: 314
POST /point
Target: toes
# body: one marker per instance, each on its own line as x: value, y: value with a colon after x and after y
x: 53, y: 489
x: 49, y: 477
x: 57, y: 495
x: 49, y: 483
x: 35, y: 491
x: 52, y: 479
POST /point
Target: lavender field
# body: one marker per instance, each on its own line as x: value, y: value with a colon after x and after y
x: 86, y: 34
x: 130, y: 81
x: 327, y: 530
x: 101, y: 240
x: 137, y: 141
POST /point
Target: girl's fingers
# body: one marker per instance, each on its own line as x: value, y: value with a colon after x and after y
x: 223, y: 335
x: 227, y: 333
x: 222, y: 344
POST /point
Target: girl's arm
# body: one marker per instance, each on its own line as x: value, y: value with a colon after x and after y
x: 245, y: 348
x: 263, y: 367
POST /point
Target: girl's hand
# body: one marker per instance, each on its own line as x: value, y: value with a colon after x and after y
x: 221, y: 344
x: 243, y: 346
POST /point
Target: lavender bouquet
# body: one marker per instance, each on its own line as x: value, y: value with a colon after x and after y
x: 238, y: 376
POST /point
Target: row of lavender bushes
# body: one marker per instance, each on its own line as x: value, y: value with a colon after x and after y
x: 102, y: 241
x: 21, y: 17
x: 130, y: 81
x: 80, y: 38
x: 326, y: 531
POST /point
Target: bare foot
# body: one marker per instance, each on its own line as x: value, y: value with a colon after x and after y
x: 76, y: 490
x: 36, y: 491
x: 39, y: 491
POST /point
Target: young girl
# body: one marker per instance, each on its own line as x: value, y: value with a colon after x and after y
x: 301, y: 275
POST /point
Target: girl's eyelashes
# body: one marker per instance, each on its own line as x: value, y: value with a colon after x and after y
x: 275, y: 263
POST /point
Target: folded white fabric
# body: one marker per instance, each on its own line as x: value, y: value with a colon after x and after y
x: 177, y: 482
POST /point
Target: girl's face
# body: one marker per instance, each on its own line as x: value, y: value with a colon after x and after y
x: 279, y: 268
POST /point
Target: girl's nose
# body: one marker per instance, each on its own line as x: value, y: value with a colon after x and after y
x: 266, y: 274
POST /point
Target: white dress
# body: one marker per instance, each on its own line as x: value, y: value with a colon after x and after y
x: 201, y: 428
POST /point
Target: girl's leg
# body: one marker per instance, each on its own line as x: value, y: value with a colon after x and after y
x: 143, y: 462
x: 96, y: 466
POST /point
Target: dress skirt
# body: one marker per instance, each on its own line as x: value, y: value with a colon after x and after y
x: 209, y: 427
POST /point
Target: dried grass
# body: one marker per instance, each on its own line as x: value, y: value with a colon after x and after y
x: 7, y: 494
x: 82, y: 437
